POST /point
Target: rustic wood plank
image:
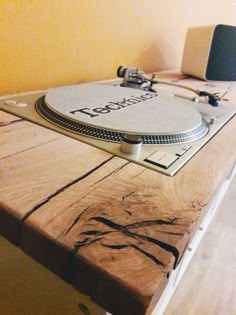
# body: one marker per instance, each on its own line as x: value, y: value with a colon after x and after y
x: 78, y: 204
x: 119, y: 262
x: 7, y: 119
x: 130, y: 228
x: 17, y: 135
x: 33, y: 173
x: 122, y: 260
x: 119, y: 230
x: 58, y: 214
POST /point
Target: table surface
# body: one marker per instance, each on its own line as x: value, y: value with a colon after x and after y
x: 112, y: 228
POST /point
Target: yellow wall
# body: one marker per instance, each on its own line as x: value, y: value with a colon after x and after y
x: 47, y: 43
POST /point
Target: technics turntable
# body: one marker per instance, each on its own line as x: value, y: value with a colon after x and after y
x: 128, y: 119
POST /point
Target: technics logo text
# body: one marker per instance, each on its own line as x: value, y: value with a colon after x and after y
x: 111, y: 106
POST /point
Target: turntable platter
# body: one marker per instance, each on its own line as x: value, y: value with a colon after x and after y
x: 109, y: 112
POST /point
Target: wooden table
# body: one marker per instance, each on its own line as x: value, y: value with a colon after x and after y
x: 113, y: 229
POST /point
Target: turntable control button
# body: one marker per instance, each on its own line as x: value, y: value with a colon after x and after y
x: 162, y: 159
x: 187, y: 147
x: 10, y: 102
x: 22, y: 104
x: 14, y: 103
x: 213, y: 120
x: 131, y: 144
x: 183, y: 150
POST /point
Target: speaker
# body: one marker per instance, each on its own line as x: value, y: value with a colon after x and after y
x: 210, y: 52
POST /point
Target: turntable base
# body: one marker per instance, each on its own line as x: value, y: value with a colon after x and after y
x: 171, y: 129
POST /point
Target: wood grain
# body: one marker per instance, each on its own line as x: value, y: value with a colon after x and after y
x: 32, y: 174
x: 17, y: 135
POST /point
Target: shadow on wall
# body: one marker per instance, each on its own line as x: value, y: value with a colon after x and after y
x: 159, y: 56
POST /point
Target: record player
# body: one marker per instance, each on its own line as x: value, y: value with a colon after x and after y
x: 129, y: 118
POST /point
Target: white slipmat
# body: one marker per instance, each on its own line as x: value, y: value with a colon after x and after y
x: 124, y: 110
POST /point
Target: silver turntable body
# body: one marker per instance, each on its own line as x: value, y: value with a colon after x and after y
x: 156, y: 130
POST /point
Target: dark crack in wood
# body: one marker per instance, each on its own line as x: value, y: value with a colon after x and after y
x: 85, y: 242
x: 74, y: 222
x: 111, y: 173
x: 152, y: 222
x: 136, y: 224
x: 128, y: 195
x: 169, y: 248
x: 3, y: 124
x: 170, y: 233
x: 94, y: 232
x: 100, y: 180
x: 129, y: 213
x: 137, y: 175
x: 28, y: 149
x: 125, y: 229
x: 108, y: 222
x: 56, y: 193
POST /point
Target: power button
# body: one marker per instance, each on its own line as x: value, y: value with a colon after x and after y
x: 14, y: 103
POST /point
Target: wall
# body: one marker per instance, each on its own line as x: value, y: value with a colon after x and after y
x: 53, y: 42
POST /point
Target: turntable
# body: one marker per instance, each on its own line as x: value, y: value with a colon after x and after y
x: 129, y: 119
